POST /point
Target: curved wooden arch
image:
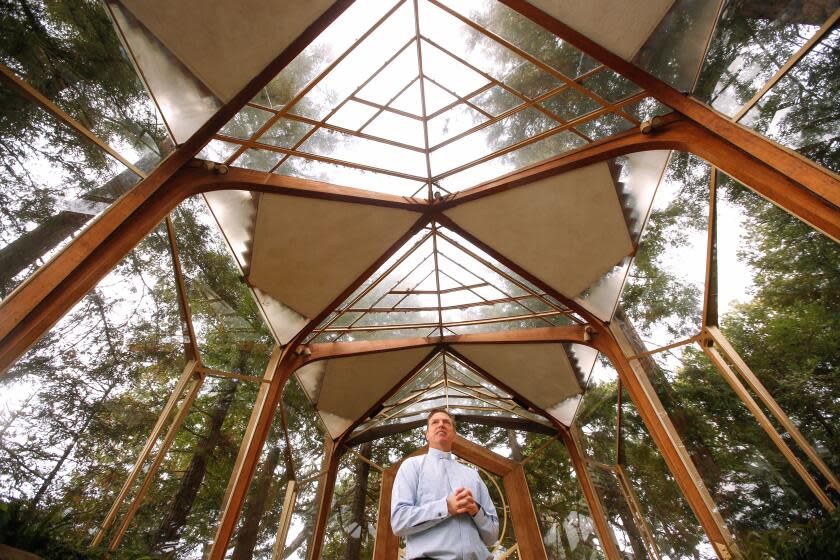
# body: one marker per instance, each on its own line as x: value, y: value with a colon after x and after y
x: 522, y: 512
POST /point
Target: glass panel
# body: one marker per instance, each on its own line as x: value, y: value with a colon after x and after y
x: 394, y: 77
x: 646, y: 109
x: 664, y: 292
x: 526, y: 35
x: 323, y: 51
x: 453, y: 122
x: 570, y: 104
x: 372, y: 53
x: 554, y: 145
x: 610, y: 86
x: 397, y: 128
x: 604, y: 126
x: 675, y: 51
x: 752, y: 484
x: 261, y: 160
x: 246, y: 123
x: 75, y: 59
x: 285, y: 133
x: 567, y: 527
x: 496, y: 100
x: 222, y: 305
x: 409, y: 100
x: 752, y: 41
x: 800, y: 111
x: 218, y: 151
x: 365, y: 152
x: 510, y: 130
x: 348, y: 176
x: 53, y: 182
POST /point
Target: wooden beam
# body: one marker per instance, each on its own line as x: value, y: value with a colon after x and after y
x: 37, y: 304
x: 807, y: 176
x: 764, y: 395
x: 386, y: 545
x: 483, y: 457
x: 525, y: 526
x: 156, y: 463
x: 676, y: 133
x: 596, y: 508
x: 289, y: 500
x: 710, y: 288
x: 577, y: 334
x: 157, y: 429
x: 739, y: 389
x: 192, y: 349
x: 61, y: 280
x: 614, y: 345
x: 323, y: 497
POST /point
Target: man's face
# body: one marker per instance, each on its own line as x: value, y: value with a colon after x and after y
x: 440, y: 433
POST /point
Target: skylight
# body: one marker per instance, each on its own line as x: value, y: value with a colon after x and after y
x: 420, y: 97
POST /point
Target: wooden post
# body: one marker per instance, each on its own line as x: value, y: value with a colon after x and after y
x: 758, y: 388
x: 616, y: 347
x: 323, y: 498
x: 285, y: 520
x: 186, y: 375
x: 636, y: 510
x: 387, y: 544
x: 523, y: 516
x: 596, y: 508
x: 765, y: 424
x: 164, y: 448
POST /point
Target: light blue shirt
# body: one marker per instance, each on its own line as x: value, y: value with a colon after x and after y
x: 419, y: 512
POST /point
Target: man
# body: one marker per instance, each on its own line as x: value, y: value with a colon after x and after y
x: 440, y: 506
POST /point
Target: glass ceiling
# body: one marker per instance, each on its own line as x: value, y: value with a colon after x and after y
x: 447, y: 381
x: 422, y: 97
x: 440, y: 284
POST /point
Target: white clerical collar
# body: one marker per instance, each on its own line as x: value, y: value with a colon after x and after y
x: 438, y: 454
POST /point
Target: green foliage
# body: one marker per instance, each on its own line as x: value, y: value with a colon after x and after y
x: 32, y: 531
x: 819, y: 538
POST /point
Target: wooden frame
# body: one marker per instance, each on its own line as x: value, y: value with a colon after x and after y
x: 793, y: 183
x: 522, y: 512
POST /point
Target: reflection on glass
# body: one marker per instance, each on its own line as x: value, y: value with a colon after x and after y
x: 752, y: 41
x: 54, y: 181
x: 800, y: 111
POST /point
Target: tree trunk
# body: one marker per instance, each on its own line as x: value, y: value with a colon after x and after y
x: 255, y: 507
x: 25, y: 251
x: 354, y: 544
x: 175, y: 519
x: 515, y: 448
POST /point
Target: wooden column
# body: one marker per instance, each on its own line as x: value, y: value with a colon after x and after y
x: 765, y: 424
x: 185, y: 378
x: 764, y: 395
x: 285, y: 520
x: 522, y: 514
x: 280, y: 366
x: 616, y: 347
x: 596, y: 508
x: 323, y: 498
x: 387, y: 544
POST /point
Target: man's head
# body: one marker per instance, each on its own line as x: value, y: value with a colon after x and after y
x: 440, y: 429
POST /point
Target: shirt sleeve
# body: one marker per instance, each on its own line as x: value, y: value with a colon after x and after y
x: 407, y: 515
x: 486, y: 520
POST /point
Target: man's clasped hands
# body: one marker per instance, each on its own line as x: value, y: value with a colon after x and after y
x: 461, y: 502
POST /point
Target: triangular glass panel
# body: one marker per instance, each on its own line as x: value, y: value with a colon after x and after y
x: 440, y: 282
x: 409, y: 100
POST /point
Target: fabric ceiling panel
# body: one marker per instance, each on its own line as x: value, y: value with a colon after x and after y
x: 350, y: 386
x: 225, y: 44
x: 541, y: 373
x: 568, y: 230
x: 236, y: 212
x: 184, y: 101
x: 617, y: 25
x: 307, y: 251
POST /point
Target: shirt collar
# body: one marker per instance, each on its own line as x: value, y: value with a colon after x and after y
x: 438, y: 454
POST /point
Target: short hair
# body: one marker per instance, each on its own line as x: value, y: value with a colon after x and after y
x: 437, y: 410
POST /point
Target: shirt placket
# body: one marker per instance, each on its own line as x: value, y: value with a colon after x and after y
x: 445, y: 466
